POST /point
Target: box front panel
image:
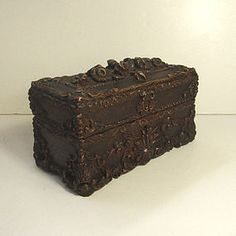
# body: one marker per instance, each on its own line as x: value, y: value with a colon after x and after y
x: 88, y: 164
x: 119, y: 150
x: 100, y: 114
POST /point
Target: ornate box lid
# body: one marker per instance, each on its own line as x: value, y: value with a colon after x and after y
x: 105, y: 97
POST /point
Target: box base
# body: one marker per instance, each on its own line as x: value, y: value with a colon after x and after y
x: 86, y: 165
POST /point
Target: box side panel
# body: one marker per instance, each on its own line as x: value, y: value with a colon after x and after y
x: 54, y: 152
x: 51, y: 151
x: 58, y: 114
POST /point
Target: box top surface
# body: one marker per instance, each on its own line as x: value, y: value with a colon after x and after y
x: 116, y: 77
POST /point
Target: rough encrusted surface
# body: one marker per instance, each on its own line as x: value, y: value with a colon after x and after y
x: 92, y: 127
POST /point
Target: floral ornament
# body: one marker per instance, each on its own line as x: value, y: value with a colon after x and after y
x: 138, y: 67
x: 112, y: 63
x: 150, y: 138
x: 119, y: 70
x: 80, y: 78
x: 156, y: 61
x: 87, y: 125
x: 129, y: 63
x: 98, y: 73
x: 139, y: 62
x: 146, y: 104
x: 147, y: 63
x: 139, y: 75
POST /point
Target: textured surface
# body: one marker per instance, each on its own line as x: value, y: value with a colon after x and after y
x: 95, y: 126
x: 184, y: 192
x: 92, y: 102
x: 87, y: 165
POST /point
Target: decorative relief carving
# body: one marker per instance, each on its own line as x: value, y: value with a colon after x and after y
x: 128, y: 151
x: 146, y: 104
x: 85, y: 170
x: 192, y: 90
x: 139, y: 75
x: 80, y: 78
x: 86, y: 124
x: 136, y: 67
x: 98, y: 73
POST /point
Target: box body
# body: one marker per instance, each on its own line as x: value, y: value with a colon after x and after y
x: 92, y: 127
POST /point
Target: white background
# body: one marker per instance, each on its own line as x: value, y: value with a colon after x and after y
x: 51, y: 38
x: 189, y: 191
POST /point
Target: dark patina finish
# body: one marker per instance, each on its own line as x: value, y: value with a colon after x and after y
x: 95, y: 126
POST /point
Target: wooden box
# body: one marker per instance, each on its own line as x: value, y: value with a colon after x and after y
x: 95, y: 126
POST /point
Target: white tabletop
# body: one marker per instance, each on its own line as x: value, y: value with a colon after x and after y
x: 188, y: 191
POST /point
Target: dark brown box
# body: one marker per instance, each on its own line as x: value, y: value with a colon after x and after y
x: 95, y: 126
